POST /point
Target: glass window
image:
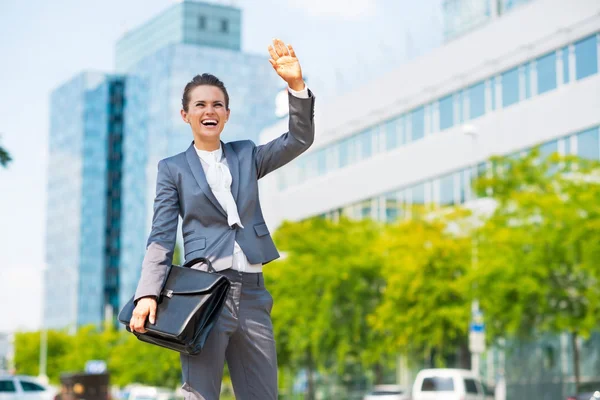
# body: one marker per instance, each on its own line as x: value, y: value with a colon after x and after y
x: 417, y: 119
x: 31, y: 387
x: 365, y: 148
x: 548, y: 148
x: 565, y: 62
x: 391, y: 132
x: 567, y: 142
x: 586, y: 57
x: 344, y: 153
x: 418, y: 194
x: 493, y: 91
x: 224, y: 26
x: 546, y: 73
x: 447, y: 190
x: 470, y: 386
x: 437, y: 384
x: 458, y: 100
x: 477, y: 100
x: 510, y: 87
x: 7, y: 386
x: 588, y: 144
x: 394, y: 206
x: 321, y: 162
x: 202, y: 22
x: 446, y: 112
x: 527, y: 80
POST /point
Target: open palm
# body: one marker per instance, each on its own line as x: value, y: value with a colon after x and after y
x: 286, y: 64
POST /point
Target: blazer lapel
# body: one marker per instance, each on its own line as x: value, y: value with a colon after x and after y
x: 234, y: 168
x: 198, y: 172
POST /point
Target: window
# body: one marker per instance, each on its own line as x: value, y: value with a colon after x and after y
x: 364, y: 144
x: 546, y: 73
x: 392, y: 134
x: 344, y: 154
x: 510, y: 87
x: 437, y: 384
x: 477, y: 100
x: 446, y: 113
x: 417, y: 119
x: 548, y: 148
x: 224, y: 26
x: 31, y: 387
x: 7, y: 386
x: 588, y: 144
x: 470, y: 386
x: 418, y: 194
x: 321, y: 162
x: 493, y: 92
x: 202, y: 22
x: 527, y: 79
x: 394, y: 205
x: 586, y: 57
x: 565, y: 62
x: 447, y: 190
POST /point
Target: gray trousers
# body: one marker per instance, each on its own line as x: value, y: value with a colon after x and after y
x: 243, y: 336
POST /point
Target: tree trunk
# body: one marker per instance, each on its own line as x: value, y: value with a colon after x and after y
x: 310, y: 393
x: 378, y: 372
x: 575, y: 360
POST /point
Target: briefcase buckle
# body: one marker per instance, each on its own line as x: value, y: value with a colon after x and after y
x: 169, y: 293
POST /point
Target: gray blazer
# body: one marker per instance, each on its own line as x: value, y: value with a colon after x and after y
x: 182, y: 190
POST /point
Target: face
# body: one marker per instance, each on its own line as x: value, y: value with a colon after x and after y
x: 206, y: 112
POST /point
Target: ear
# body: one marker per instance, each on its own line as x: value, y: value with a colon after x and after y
x: 184, y: 116
x: 228, y: 113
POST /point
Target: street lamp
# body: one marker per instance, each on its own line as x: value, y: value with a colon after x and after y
x: 476, y: 327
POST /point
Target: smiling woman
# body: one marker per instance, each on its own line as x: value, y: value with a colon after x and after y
x: 213, y: 186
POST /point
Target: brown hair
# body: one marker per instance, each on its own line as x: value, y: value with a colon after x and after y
x: 199, y: 80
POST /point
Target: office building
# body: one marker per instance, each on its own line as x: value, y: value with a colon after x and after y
x: 419, y: 134
x: 83, y: 206
x: 108, y: 133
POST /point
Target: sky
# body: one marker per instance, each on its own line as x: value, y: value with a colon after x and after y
x: 341, y: 44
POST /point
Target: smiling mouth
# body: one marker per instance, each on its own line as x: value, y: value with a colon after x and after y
x: 209, y: 122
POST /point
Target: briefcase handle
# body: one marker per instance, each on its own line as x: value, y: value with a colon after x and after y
x: 197, y: 260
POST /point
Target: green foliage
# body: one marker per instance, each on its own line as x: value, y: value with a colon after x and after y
x: 426, y: 304
x: 5, y: 158
x: 324, y: 289
x: 539, y: 249
x: 128, y: 359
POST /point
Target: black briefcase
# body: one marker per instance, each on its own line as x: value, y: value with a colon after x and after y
x: 188, y: 307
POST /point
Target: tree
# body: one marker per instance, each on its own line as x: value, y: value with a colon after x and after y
x: 539, y: 250
x: 426, y: 303
x: 324, y: 288
x: 5, y: 158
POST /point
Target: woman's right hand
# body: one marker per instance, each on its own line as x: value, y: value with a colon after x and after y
x: 146, y: 306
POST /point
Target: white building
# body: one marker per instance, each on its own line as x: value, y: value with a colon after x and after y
x: 529, y: 77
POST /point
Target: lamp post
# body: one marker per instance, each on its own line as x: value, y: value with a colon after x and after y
x: 476, y: 327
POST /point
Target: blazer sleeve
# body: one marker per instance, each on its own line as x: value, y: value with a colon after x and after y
x: 301, y: 134
x: 161, y: 242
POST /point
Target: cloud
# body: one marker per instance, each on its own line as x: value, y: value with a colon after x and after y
x: 348, y: 9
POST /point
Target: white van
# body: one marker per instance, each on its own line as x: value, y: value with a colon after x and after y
x: 449, y: 384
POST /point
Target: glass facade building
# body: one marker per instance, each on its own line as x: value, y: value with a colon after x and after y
x: 462, y: 16
x: 108, y: 134
x: 83, y: 181
x: 188, y: 22
x: 493, y: 94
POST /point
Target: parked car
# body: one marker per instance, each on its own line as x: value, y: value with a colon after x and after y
x: 22, y: 387
x: 387, y: 392
x: 449, y: 384
x: 587, y: 391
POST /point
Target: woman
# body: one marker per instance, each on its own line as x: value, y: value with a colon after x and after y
x: 213, y: 187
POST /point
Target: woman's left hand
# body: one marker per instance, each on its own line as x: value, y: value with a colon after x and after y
x: 284, y: 61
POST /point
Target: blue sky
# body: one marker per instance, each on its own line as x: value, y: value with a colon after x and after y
x: 341, y: 44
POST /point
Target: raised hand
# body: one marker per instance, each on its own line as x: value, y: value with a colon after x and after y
x: 284, y: 62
